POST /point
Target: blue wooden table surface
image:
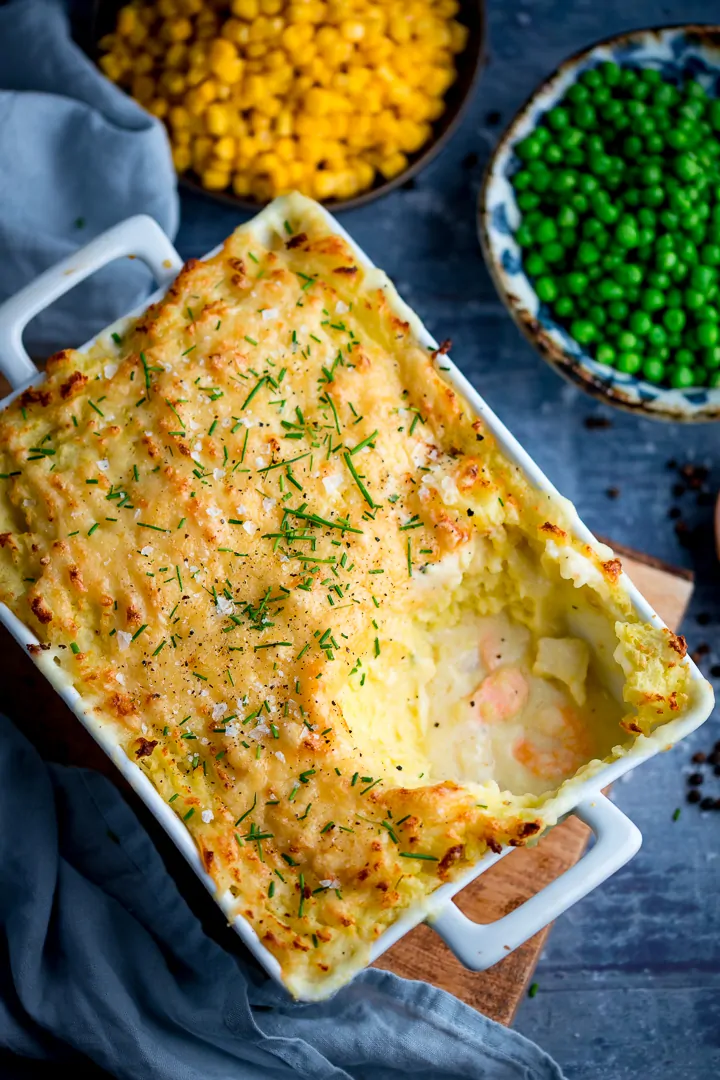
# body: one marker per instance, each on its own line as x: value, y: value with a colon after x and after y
x: 629, y: 985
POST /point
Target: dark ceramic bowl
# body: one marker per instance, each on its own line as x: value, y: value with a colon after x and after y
x: 677, y: 52
x: 469, y: 65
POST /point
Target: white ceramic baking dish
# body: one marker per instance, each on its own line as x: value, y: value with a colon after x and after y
x: 477, y: 946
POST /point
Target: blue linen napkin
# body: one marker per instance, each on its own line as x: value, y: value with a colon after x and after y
x: 100, y: 956
x: 77, y: 156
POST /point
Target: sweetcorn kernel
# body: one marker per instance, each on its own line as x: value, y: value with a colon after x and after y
x: 215, y: 179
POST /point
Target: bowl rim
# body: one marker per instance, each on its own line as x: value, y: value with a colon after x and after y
x: 573, y: 368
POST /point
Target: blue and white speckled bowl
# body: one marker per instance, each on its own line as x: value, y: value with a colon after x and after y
x: 678, y: 52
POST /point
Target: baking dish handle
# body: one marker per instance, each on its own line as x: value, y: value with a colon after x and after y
x: 138, y: 237
x: 479, y: 946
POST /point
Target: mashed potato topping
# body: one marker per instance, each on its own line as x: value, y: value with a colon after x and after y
x: 350, y: 644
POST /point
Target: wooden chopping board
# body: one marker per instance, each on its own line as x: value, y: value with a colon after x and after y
x: 29, y: 699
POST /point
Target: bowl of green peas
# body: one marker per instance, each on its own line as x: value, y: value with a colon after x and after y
x: 599, y: 218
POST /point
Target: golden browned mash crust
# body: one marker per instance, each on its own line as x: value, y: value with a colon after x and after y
x: 211, y: 521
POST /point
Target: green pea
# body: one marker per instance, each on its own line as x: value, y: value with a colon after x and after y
x: 591, y: 78
x: 627, y: 341
x: 626, y: 234
x: 524, y: 236
x: 595, y: 272
x: 632, y: 146
x: 546, y: 231
x: 665, y: 95
x: 534, y: 265
x: 552, y: 252
x: 576, y: 282
x: 610, y: 72
x: 666, y: 260
x: 568, y: 237
x: 579, y: 202
x: 687, y: 167
x: 587, y: 253
x: 669, y: 219
x: 611, y: 261
x: 553, y: 154
x: 707, y: 313
x: 640, y: 323
x: 567, y: 217
x: 612, y: 330
x: 653, y: 371
x: 542, y: 134
x: 574, y: 157
x: 679, y: 272
x: 674, y: 320
x: 678, y: 139
x: 528, y: 200
x: 702, y: 278
x: 711, y: 358
x: 584, y: 115
x: 681, y: 378
x: 529, y: 148
x: 652, y: 300
x: 587, y: 184
x: 629, y: 363
x: 707, y: 334
x: 611, y: 110
x: 564, y: 307
x: 714, y: 380
x: 583, y: 331
x: 546, y: 289
x: 597, y: 315
x: 591, y: 228
x: 693, y: 299
x: 653, y: 196
x: 632, y: 197
x: 610, y: 290
x: 687, y: 251
x: 674, y: 341
x: 604, y: 210
x: 600, y: 164
x: 571, y: 138
x: 658, y: 280
x: 684, y: 358
x: 674, y: 298
x: 618, y: 310
x: 558, y: 117
x: 629, y: 274
x: 654, y: 143
x: 656, y: 335
x: 647, y: 218
x: 605, y: 354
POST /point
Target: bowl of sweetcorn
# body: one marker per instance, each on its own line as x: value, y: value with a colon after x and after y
x: 342, y: 100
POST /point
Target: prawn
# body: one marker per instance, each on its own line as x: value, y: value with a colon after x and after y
x: 500, y: 696
x: 557, y: 747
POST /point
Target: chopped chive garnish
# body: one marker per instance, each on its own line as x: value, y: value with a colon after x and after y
x: 75, y: 647
x: 416, y: 855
